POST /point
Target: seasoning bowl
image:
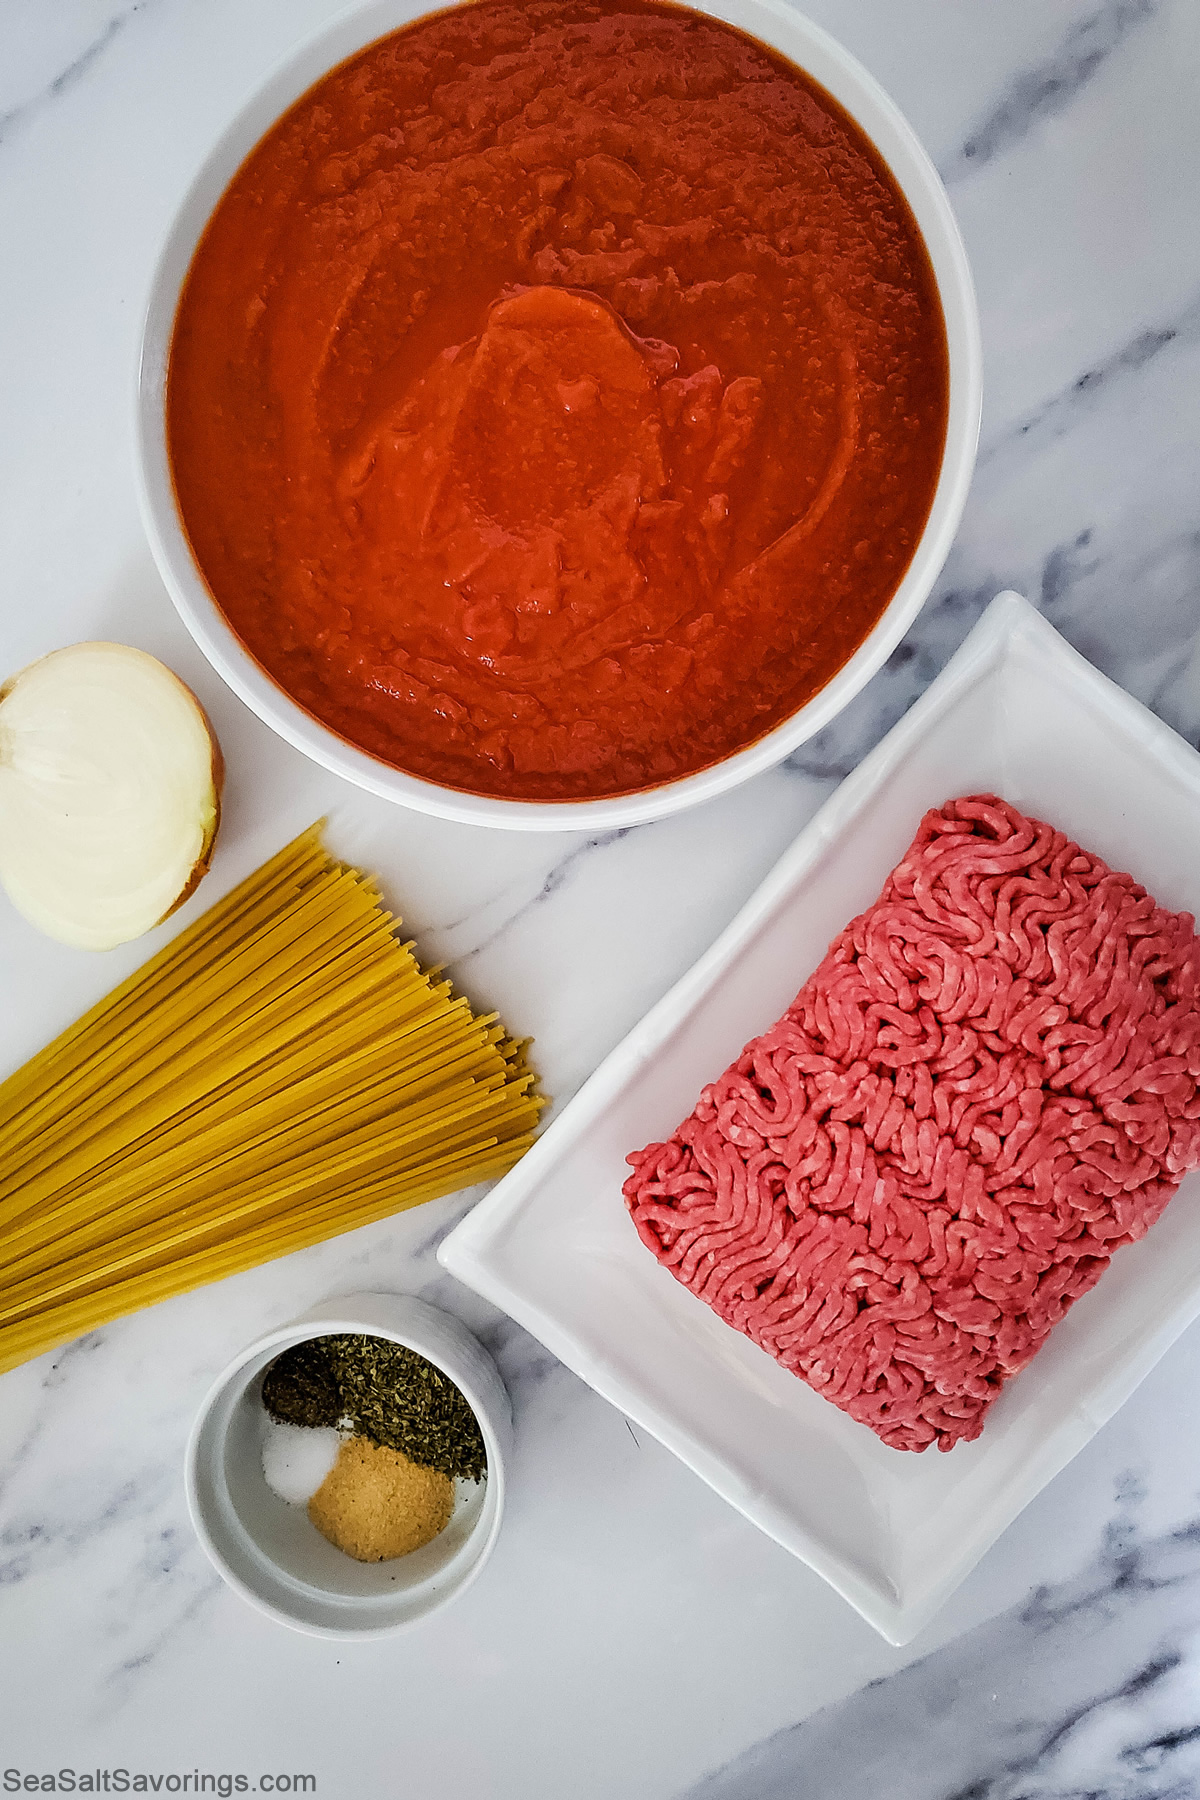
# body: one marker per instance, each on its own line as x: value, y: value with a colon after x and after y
x: 271, y: 1554
x: 772, y: 22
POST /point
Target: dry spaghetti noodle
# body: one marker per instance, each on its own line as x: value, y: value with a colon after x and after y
x: 284, y: 1070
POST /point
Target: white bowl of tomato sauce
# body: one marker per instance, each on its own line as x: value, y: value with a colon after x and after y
x: 553, y: 414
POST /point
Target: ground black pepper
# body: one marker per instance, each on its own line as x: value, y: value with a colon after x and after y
x: 300, y: 1387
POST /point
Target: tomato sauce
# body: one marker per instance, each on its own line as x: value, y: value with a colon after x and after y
x: 557, y: 396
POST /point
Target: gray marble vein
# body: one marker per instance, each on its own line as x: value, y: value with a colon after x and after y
x: 34, y: 1540
x: 1093, y: 388
x: 512, y: 911
x: 175, y: 1588
x: 1086, y: 1691
x: 1046, y: 88
x: 936, y: 634
x: 72, y: 74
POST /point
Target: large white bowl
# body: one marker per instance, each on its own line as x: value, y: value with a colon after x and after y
x: 823, y: 58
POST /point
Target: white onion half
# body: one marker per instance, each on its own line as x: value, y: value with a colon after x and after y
x: 110, y: 781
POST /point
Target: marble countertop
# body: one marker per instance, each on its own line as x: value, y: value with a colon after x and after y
x: 632, y: 1636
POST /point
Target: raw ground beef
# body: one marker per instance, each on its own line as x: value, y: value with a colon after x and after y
x: 988, y: 1086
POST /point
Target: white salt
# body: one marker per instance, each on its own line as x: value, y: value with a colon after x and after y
x: 297, y: 1458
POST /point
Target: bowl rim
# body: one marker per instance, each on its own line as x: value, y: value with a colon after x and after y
x: 360, y: 1314
x: 820, y: 55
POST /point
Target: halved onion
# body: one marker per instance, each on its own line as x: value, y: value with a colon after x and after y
x: 110, y: 782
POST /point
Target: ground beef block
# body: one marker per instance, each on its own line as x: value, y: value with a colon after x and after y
x: 988, y: 1086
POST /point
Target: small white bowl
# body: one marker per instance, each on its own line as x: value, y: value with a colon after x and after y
x: 270, y: 1553
x: 773, y: 22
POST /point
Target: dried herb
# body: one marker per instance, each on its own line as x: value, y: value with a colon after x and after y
x: 399, y: 1400
x: 383, y: 1392
x: 300, y: 1387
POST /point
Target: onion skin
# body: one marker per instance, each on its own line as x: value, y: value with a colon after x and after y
x: 204, y: 860
x: 111, y: 778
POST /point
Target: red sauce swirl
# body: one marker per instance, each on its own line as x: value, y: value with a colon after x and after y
x: 557, y: 396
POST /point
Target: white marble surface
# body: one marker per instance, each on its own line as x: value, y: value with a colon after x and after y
x: 632, y: 1636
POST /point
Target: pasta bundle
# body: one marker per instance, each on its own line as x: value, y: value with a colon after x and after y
x: 283, y: 1071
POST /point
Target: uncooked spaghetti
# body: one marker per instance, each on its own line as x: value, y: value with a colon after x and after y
x: 284, y: 1070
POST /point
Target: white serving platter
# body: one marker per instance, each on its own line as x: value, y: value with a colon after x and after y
x: 1016, y: 712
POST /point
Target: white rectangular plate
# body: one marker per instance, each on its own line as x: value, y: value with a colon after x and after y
x: 1016, y: 712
